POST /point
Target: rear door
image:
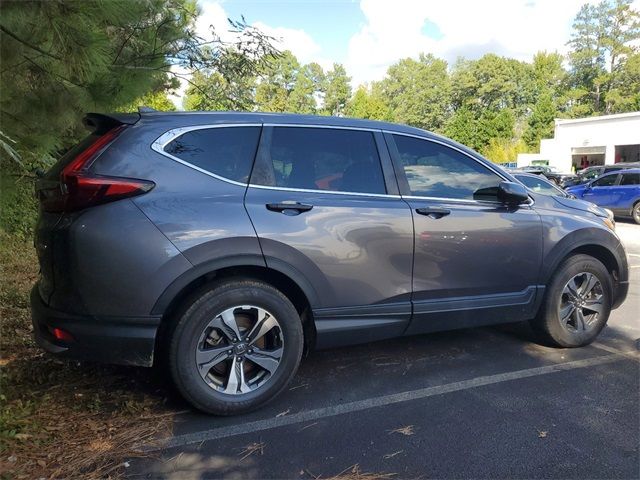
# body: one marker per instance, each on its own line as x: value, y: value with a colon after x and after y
x: 476, y: 261
x: 325, y: 205
x: 626, y: 193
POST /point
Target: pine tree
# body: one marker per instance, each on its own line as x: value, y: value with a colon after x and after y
x: 337, y: 90
x: 541, y: 122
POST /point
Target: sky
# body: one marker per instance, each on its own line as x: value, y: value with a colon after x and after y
x: 367, y: 36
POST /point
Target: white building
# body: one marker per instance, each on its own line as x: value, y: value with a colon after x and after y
x: 589, y: 141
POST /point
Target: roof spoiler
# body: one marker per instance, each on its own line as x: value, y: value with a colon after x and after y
x: 103, y: 122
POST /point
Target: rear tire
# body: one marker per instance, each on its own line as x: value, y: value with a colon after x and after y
x: 235, y: 347
x: 577, y: 303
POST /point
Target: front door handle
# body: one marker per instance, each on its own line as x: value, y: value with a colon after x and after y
x: 433, y: 212
x: 289, y: 208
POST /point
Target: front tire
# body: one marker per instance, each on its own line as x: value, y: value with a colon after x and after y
x: 636, y: 213
x: 577, y: 303
x: 235, y: 347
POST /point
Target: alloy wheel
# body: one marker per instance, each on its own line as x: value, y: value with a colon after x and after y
x: 239, y: 350
x: 582, y: 303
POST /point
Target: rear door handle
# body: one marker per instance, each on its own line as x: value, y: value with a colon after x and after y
x: 289, y: 208
x: 433, y: 212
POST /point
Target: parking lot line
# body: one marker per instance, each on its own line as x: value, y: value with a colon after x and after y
x: 320, y: 413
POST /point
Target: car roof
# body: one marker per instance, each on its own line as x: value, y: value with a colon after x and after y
x: 197, y: 117
x: 623, y: 170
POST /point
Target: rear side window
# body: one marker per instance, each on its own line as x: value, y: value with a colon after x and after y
x: 226, y: 151
x: 630, y: 179
x: 435, y: 170
x: 606, y: 181
x: 339, y: 160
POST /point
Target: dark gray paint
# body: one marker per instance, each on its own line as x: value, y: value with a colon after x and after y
x: 351, y: 255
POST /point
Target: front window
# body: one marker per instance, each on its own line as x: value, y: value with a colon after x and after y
x: 435, y: 170
x: 605, y: 181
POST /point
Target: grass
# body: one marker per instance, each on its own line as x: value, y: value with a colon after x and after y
x: 65, y: 419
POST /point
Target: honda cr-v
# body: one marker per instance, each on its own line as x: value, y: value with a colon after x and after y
x: 224, y: 244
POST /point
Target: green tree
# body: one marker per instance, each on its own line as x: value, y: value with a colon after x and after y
x: 624, y: 91
x: 500, y: 150
x: 301, y: 99
x: 277, y: 83
x: 493, y: 83
x: 418, y: 91
x: 548, y: 74
x: 462, y: 127
x: 368, y: 104
x: 541, y: 122
x: 604, y: 37
x: 337, y: 90
x: 61, y: 59
x: 158, y: 100
x: 224, y: 88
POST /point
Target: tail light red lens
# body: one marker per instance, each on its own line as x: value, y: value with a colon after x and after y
x: 78, y: 188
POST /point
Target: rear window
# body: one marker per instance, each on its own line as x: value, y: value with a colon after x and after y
x: 226, y: 151
x: 339, y: 160
x: 630, y: 179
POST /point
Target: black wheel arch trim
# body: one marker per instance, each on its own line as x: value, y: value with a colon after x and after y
x: 590, y: 241
x: 211, y: 266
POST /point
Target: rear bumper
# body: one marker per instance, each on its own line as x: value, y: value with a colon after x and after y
x: 118, y: 340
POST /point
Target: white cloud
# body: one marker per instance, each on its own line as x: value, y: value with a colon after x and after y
x: 515, y: 28
x: 298, y: 41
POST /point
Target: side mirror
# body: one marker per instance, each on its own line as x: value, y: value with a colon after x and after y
x: 512, y: 193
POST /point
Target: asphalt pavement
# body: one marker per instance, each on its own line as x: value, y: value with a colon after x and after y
x: 475, y: 403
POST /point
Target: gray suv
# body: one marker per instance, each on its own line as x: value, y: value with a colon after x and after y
x: 225, y: 244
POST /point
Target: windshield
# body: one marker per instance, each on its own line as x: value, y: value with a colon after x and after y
x: 539, y: 185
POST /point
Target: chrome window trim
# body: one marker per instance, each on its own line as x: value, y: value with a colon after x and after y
x: 453, y: 147
x: 332, y: 192
x: 163, y: 140
x: 167, y: 137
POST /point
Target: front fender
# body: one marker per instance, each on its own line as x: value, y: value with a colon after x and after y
x: 586, y: 238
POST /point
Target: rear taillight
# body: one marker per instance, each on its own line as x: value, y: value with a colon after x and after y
x: 78, y: 188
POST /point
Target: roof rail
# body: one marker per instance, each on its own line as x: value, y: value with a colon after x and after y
x: 145, y: 109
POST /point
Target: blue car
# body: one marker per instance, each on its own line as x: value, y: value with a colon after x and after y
x: 618, y: 191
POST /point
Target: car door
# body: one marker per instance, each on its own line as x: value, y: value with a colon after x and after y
x: 601, y: 191
x: 325, y: 206
x: 476, y: 260
x: 627, y: 193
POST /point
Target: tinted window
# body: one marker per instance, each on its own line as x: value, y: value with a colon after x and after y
x: 321, y: 159
x: 630, y: 179
x: 538, y: 185
x: 605, y: 181
x: 227, y: 152
x: 434, y: 170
